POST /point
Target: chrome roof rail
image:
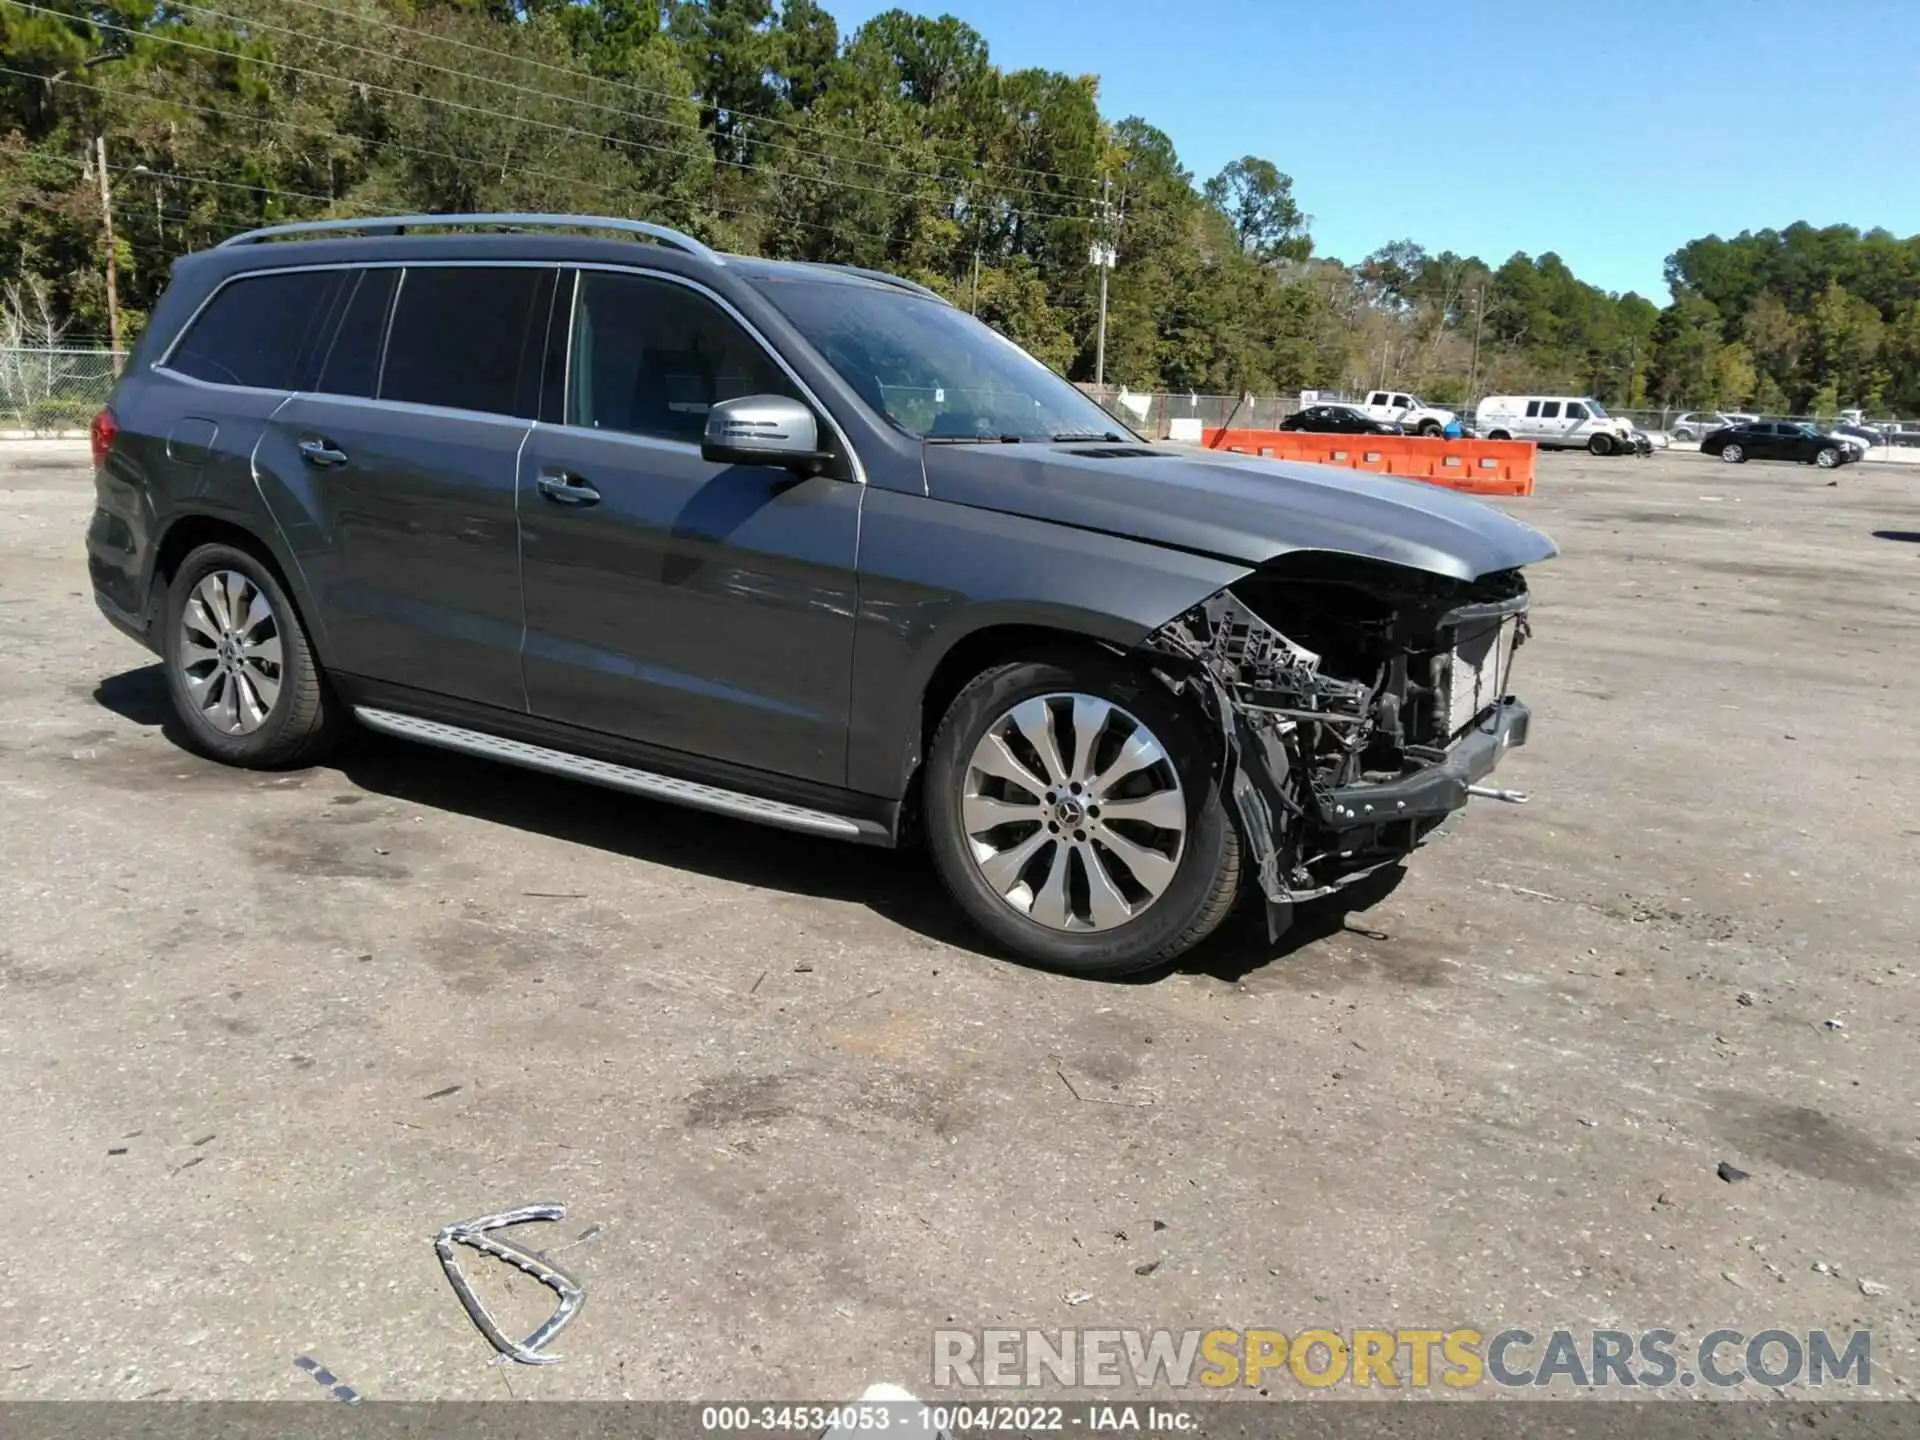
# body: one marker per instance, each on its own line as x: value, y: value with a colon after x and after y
x: 398, y: 224
x: 896, y: 281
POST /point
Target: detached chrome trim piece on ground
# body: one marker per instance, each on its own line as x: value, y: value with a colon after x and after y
x: 474, y: 1233
x: 616, y: 777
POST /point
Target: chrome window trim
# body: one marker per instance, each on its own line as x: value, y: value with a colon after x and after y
x: 411, y: 407
x: 393, y: 309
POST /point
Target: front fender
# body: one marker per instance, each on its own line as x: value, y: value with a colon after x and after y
x: 933, y: 574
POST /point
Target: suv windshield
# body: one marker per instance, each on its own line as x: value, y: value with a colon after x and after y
x: 935, y: 371
x: 1599, y: 410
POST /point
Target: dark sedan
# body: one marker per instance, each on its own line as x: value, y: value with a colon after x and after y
x: 1339, y: 420
x: 1779, y: 440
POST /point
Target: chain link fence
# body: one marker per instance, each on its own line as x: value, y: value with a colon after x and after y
x: 48, y: 391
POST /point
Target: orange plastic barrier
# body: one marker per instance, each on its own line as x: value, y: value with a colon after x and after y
x: 1479, y: 467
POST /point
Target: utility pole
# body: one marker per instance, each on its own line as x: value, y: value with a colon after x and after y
x: 1473, y: 368
x: 974, y: 308
x: 106, y: 226
x: 1102, y: 255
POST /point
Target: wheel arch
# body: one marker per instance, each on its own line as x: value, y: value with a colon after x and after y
x: 947, y: 588
x: 186, y: 532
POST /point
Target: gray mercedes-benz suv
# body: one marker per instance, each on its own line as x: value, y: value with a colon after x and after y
x: 799, y: 543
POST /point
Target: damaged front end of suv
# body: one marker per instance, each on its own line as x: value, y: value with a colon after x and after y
x: 1359, y: 704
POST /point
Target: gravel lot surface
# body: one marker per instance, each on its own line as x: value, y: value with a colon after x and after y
x: 261, y: 1036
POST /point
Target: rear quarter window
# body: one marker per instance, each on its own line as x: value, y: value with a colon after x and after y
x: 261, y: 331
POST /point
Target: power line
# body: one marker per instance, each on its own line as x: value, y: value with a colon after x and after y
x: 366, y: 85
x: 607, y: 188
x: 148, y: 170
x: 125, y: 207
x: 625, y: 113
x: 628, y: 85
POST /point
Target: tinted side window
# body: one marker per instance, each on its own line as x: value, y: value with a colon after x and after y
x: 1576, y: 411
x: 264, y: 331
x: 1533, y: 409
x: 352, y: 364
x: 1550, y: 410
x: 468, y: 337
x: 651, y: 357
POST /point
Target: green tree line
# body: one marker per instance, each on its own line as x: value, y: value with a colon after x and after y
x: 758, y: 126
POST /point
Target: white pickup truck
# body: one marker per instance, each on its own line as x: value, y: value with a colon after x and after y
x: 1410, y: 411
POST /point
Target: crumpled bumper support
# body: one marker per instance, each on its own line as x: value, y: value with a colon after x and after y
x: 1303, y: 840
x: 1437, y: 789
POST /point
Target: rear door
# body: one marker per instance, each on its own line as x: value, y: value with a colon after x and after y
x: 399, y: 473
x: 196, y: 427
x: 698, y: 607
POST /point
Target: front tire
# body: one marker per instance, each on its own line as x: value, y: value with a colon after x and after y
x: 1498, y: 435
x: 1431, y: 428
x: 1600, y: 445
x: 1827, y: 458
x: 1074, y: 814
x: 1732, y: 455
x: 239, y: 667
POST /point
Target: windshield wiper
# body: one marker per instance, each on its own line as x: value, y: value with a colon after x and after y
x: 973, y: 439
x: 1070, y: 437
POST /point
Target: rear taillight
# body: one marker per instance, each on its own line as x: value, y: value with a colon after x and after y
x: 105, y: 428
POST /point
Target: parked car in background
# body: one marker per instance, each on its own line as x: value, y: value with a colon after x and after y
x: 799, y: 543
x: 1698, y: 424
x: 1409, y: 411
x: 1780, y: 440
x: 1573, y: 422
x: 1855, y: 430
x: 1339, y: 419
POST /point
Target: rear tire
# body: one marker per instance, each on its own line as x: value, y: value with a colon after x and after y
x: 240, y: 670
x: 1683, y: 434
x: 1193, y: 894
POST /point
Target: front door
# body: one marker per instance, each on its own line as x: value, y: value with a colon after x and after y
x: 406, y: 476
x: 699, y: 607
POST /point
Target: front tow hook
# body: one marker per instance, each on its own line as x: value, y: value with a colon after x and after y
x: 1507, y: 797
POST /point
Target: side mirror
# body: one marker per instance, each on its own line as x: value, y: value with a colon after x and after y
x: 764, y: 430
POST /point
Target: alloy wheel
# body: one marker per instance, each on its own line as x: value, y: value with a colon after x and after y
x: 1073, y: 812
x: 1827, y: 458
x: 1732, y: 455
x: 230, y: 654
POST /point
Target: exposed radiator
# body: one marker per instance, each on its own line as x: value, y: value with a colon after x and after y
x: 1478, y: 676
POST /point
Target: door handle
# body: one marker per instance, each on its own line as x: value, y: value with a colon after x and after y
x: 322, y: 453
x: 565, y: 489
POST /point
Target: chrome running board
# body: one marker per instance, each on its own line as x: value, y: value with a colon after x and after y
x: 618, y: 777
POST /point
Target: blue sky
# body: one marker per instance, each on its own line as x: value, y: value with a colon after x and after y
x: 1611, y: 132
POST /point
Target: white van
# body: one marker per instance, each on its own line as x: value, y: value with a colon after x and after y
x: 1550, y: 421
